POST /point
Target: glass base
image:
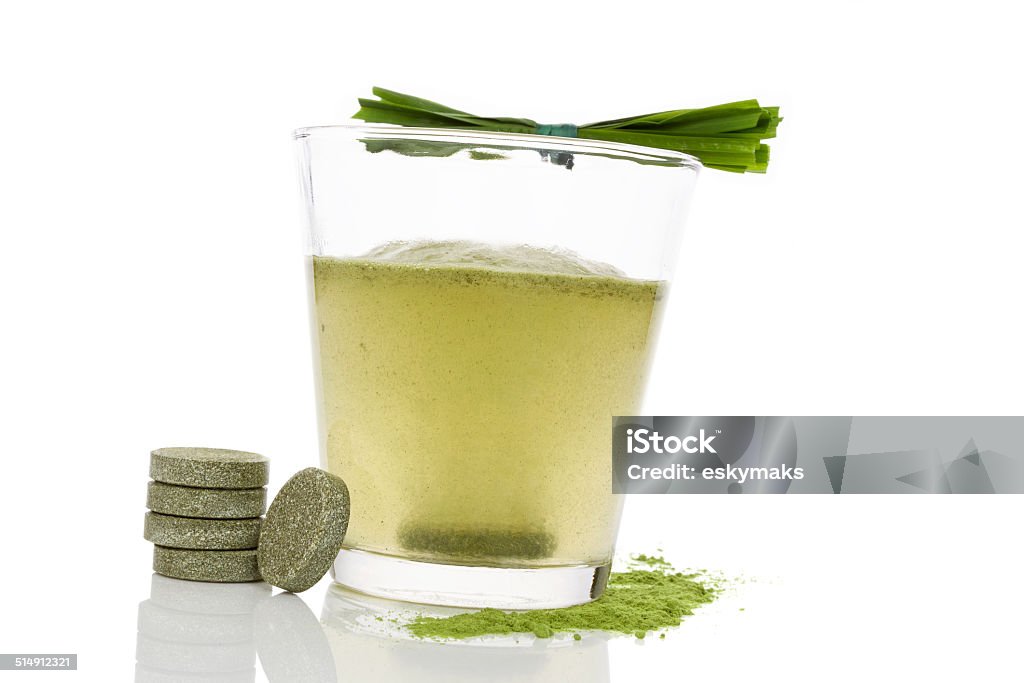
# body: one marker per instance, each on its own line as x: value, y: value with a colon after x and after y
x: 460, y: 586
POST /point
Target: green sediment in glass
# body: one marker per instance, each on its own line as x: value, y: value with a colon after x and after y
x: 476, y: 544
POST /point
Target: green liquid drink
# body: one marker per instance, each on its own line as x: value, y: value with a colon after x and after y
x: 467, y: 394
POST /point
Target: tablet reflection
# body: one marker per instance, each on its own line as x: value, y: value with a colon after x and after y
x: 188, y: 630
x: 291, y: 642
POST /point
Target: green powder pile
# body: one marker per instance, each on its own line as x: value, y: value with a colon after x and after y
x: 636, y: 602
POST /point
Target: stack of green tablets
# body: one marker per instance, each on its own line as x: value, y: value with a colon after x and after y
x: 206, y: 510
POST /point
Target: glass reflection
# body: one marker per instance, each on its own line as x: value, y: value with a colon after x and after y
x: 367, y: 640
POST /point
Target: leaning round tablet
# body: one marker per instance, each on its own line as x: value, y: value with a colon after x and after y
x: 304, y: 530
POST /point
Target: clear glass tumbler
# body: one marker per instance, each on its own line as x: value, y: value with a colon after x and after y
x: 482, y: 305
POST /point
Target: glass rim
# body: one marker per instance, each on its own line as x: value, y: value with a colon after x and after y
x: 665, y: 157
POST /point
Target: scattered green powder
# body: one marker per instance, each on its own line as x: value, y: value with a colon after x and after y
x: 636, y: 601
x: 651, y: 560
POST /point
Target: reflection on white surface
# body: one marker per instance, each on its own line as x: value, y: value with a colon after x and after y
x: 367, y: 641
x: 195, y: 631
x: 291, y: 642
x: 191, y: 631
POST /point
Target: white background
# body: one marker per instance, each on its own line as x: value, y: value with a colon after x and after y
x: 153, y: 292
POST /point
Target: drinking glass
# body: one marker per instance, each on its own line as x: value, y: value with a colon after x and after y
x: 483, y: 304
